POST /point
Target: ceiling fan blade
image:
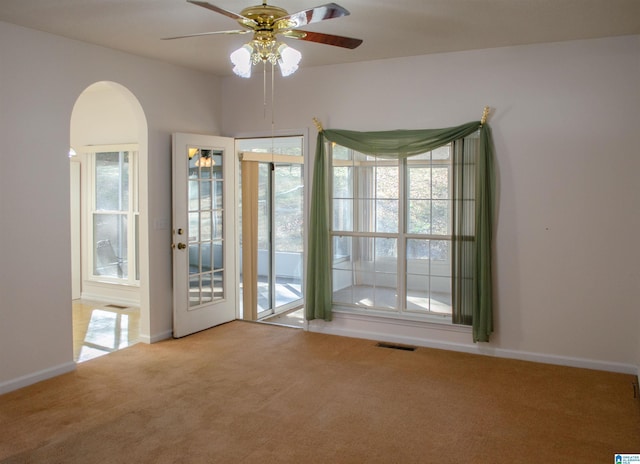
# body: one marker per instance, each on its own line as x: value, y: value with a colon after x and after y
x: 250, y: 23
x: 239, y: 31
x: 312, y: 15
x: 328, y: 39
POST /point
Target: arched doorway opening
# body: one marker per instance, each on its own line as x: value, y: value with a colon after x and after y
x: 109, y: 223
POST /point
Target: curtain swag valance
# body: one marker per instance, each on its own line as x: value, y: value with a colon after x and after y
x: 471, y: 250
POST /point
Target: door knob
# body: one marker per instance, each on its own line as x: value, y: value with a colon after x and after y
x: 181, y: 246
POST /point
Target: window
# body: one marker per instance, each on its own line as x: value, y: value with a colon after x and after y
x: 113, y: 215
x: 391, y: 232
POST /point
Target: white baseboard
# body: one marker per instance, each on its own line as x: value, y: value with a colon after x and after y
x: 148, y: 339
x: 30, y: 379
x: 583, y: 363
x: 478, y: 348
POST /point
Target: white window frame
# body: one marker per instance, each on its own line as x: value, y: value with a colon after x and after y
x: 133, y: 214
x: 402, y: 235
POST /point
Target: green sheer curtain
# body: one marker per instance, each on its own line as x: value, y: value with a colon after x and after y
x: 402, y: 144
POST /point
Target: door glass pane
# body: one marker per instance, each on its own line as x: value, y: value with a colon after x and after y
x: 194, y: 258
x: 276, y: 145
x: 287, y: 232
x: 194, y: 227
x: 217, y: 255
x: 216, y: 226
x: 194, y: 291
x: 264, y: 237
x: 194, y: 195
x: 217, y: 195
x: 218, y: 279
x: 216, y: 168
x: 205, y: 225
x: 205, y: 257
x: 205, y: 195
x: 207, y: 288
x: 204, y: 163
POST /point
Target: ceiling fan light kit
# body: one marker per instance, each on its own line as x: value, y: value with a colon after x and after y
x: 268, y: 21
x: 276, y: 53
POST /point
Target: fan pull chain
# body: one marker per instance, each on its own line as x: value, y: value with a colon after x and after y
x: 273, y: 99
x: 264, y: 89
x: 264, y: 99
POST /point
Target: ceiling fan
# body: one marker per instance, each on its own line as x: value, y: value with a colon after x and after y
x: 268, y: 21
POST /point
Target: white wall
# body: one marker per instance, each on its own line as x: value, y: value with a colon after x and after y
x: 41, y: 76
x: 565, y: 125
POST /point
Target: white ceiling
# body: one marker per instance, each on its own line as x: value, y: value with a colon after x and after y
x: 389, y: 28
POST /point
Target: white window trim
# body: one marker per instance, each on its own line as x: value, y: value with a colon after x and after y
x: 88, y: 152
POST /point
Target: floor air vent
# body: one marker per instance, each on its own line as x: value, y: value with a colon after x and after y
x: 395, y: 346
x: 115, y: 306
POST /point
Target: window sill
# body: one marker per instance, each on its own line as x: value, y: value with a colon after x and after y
x: 119, y: 283
x: 425, y: 321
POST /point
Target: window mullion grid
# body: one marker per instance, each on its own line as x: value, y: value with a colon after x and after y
x: 200, y: 243
x: 272, y: 244
x: 131, y: 217
x: 121, y: 211
x: 355, y: 193
x: 401, y: 240
x: 89, y: 226
x: 373, y: 225
x: 430, y: 269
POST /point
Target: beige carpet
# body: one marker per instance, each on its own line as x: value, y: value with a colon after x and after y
x: 256, y: 393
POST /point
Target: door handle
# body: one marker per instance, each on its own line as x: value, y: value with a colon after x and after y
x: 181, y: 246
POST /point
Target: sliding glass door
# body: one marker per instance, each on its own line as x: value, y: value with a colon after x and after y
x: 272, y: 208
x: 279, y: 237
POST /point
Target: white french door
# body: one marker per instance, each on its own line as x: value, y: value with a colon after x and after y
x: 204, y: 236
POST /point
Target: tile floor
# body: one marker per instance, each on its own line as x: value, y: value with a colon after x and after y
x: 100, y: 328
